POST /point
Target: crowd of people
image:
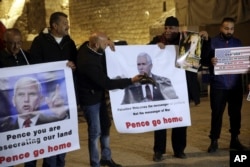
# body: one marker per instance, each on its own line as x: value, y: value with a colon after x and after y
x: 54, y: 44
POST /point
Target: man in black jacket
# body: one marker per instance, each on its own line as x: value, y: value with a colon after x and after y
x: 171, y: 36
x: 54, y: 44
x: 93, y: 81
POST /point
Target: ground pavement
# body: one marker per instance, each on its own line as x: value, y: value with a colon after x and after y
x: 135, y: 150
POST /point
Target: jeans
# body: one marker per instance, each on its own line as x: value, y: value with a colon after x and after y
x: 98, y: 128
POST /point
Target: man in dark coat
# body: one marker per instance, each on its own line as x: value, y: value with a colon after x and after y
x: 93, y: 82
x: 54, y: 44
x: 171, y: 36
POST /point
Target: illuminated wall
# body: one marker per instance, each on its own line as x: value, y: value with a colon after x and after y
x: 122, y: 19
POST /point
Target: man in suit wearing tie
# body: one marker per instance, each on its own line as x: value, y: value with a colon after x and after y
x: 161, y: 90
x: 27, y: 100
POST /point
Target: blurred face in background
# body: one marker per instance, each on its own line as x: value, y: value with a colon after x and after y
x: 13, y: 43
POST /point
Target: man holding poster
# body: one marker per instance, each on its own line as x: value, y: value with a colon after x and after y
x: 225, y: 89
x: 51, y: 45
x: 93, y: 81
x: 171, y: 36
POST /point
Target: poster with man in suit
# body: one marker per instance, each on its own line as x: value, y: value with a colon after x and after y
x: 40, y: 115
x: 30, y: 107
x: 158, y: 102
x: 159, y: 89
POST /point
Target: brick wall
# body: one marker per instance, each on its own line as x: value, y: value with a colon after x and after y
x: 56, y: 5
x: 4, y: 7
x: 121, y: 19
x: 134, y: 21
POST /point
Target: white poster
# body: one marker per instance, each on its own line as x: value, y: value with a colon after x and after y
x: 38, y: 115
x: 232, y: 60
x: 166, y: 107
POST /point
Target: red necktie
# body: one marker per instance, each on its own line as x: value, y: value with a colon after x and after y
x: 27, y: 123
x: 148, y: 93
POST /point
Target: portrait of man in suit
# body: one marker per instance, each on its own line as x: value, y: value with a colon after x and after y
x: 162, y: 89
x: 27, y: 100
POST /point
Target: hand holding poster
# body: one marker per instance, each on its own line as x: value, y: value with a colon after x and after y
x: 232, y: 60
x: 39, y: 118
x: 189, y: 51
x: 148, y: 106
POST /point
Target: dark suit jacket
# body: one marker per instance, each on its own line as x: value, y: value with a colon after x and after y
x: 162, y: 91
x: 11, y: 122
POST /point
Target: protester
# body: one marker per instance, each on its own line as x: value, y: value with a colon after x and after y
x: 225, y: 89
x: 171, y: 36
x: 93, y: 81
x: 54, y: 44
x: 12, y: 53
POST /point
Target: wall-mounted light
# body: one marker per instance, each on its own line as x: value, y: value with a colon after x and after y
x: 147, y: 14
x: 65, y: 4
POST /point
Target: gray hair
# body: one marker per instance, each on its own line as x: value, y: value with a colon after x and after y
x: 30, y: 81
x: 144, y: 54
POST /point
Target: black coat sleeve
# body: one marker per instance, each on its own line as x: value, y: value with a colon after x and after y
x: 206, y: 53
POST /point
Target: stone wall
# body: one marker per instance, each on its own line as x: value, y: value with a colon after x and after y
x: 121, y: 19
x: 133, y: 21
x: 4, y: 8
x: 56, y: 5
x: 127, y: 20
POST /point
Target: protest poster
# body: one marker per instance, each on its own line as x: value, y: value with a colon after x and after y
x: 189, y: 51
x: 232, y: 60
x: 169, y: 106
x: 38, y: 115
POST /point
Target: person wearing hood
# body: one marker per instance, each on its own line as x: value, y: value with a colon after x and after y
x: 51, y: 45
